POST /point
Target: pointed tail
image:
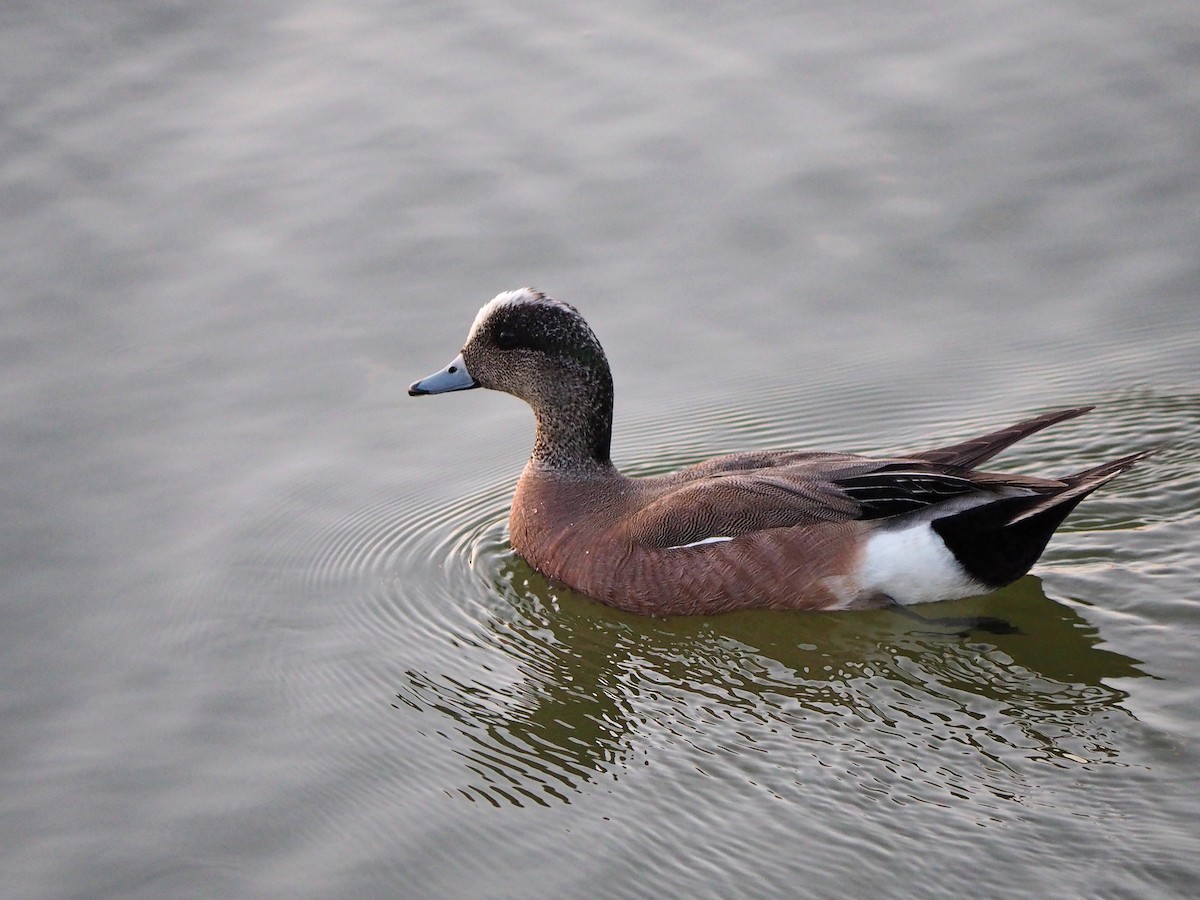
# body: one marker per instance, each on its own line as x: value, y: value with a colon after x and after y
x: 979, y: 450
x: 998, y: 542
x: 1083, y: 483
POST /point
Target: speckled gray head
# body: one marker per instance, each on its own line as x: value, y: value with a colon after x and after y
x: 527, y: 321
x: 511, y: 325
x: 541, y: 350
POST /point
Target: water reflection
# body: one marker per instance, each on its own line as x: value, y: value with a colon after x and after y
x: 574, y: 693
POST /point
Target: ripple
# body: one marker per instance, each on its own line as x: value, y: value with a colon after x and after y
x: 524, y: 694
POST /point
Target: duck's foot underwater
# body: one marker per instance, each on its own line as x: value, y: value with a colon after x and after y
x: 960, y: 626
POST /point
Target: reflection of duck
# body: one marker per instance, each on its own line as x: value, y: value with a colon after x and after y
x: 793, y: 529
x: 598, y: 688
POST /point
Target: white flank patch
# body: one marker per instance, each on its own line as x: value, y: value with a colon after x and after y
x: 709, y: 540
x: 913, y: 565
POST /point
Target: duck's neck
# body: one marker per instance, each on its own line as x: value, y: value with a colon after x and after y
x: 574, y: 429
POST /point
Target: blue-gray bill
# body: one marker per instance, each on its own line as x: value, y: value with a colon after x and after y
x: 454, y: 377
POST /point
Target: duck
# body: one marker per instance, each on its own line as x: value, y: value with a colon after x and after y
x: 776, y: 529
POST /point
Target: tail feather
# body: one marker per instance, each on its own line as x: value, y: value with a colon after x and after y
x: 1083, y: 483
x: 998, y: 542
x: 969, y: 454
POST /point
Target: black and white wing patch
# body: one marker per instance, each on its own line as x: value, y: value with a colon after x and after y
x: 895, y: 491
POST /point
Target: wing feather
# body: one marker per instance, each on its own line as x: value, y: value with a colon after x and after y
x: 744, y: 493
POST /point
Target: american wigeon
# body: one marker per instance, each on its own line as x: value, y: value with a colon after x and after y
x: 784, y: 529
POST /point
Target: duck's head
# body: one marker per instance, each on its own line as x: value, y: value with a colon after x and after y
x: 541, y: 350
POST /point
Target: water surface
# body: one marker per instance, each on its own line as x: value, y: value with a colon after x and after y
x: 262, y: 633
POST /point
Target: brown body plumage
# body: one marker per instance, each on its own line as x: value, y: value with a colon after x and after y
x: 786, y: 529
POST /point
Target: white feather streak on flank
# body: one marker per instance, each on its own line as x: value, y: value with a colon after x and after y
x: 707, y: 540
x: 913, y: 565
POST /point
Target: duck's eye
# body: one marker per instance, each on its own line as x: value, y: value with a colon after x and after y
x: 506, y: 339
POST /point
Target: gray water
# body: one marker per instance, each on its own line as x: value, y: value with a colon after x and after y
x: 261, y: 634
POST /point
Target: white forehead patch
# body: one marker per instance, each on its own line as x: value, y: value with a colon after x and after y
x: 510, y: 298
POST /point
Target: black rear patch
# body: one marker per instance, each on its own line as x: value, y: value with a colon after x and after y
x: 992, y: 548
